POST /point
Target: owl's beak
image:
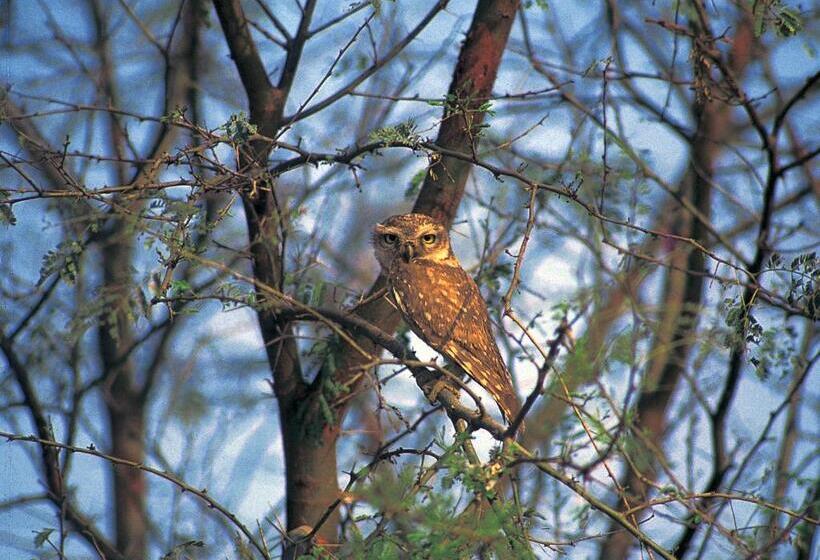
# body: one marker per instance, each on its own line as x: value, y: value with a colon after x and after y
x: 408, y: 252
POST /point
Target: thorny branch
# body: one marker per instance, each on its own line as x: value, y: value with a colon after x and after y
x: 201, y: 493
x: 55, y: 171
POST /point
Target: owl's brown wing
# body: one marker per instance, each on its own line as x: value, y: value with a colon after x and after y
x: 429, y: 297
x: 443, y: 306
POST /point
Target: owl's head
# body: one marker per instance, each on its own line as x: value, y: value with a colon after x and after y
x: 412, y: 237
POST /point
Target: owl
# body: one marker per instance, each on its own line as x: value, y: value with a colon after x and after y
x: 440, y: 302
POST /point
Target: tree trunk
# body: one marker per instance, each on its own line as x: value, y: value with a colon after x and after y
x: 311, y: 465
x: 676, y: 335
x: 125, y: 406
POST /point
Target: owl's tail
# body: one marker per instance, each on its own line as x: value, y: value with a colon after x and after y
x: 510, y: 407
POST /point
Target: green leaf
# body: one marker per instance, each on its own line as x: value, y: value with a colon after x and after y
x: 41, y: 537
x: 327, y: 413
x: 402, y: 133
x: 415, y: 183
x: 785, y: 20
x: 542, y: 4
x: 788, y: 23
x: 238, y: 129
x: 192, y: 405
x: 176, y: 115
x: 486, y: 107
x: 177, y: 552
x: 7, y: 217
x: 621, y: 348
x: 625, y: 148
x: 179, y: 287
x: 63, y: 260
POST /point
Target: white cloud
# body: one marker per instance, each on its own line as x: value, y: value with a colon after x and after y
x: 237, y: 331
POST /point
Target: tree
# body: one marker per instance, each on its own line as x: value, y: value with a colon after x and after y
x: 187, y: 194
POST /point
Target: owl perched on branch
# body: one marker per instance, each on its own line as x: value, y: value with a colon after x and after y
x: 440, y: 302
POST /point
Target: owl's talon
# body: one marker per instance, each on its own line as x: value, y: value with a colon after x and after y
x: 569, y: 340
x: 439, y: 385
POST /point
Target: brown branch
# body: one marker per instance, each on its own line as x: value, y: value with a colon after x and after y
x: 736, y: 359
x: 294, y: 49
x: 44, y: 296
x: 51, y: 466
x: 789, y: 438
x: 675, y: 338
x: 201, y: 493
x: 799, y: 95
x: 728, y: 496
x: 798, y: 161
x: 351, y: 10
x: 310, y: 470
x: 146, y: 32
x: 265, y: 101
x: 561, y: 337
x: 473, y: 79
x: 617, y: 517
x: 347, y: 89
x: 34, y: 142
x: 280, y: 27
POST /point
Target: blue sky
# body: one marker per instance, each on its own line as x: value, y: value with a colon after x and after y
x: 247, y: 473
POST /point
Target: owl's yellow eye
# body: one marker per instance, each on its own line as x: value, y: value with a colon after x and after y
x: 390, y: 239
x: 429, y: 238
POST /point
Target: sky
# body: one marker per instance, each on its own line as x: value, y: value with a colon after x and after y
x: 247, y: 474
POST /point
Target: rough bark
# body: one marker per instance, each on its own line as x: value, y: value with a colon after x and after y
x: 125, y: 395
x: 471, y: 86
x: 123, y: 402
x: 443, y: 187
x: 115, y: 332
x: 445, y: 182
x: 311, y: 466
